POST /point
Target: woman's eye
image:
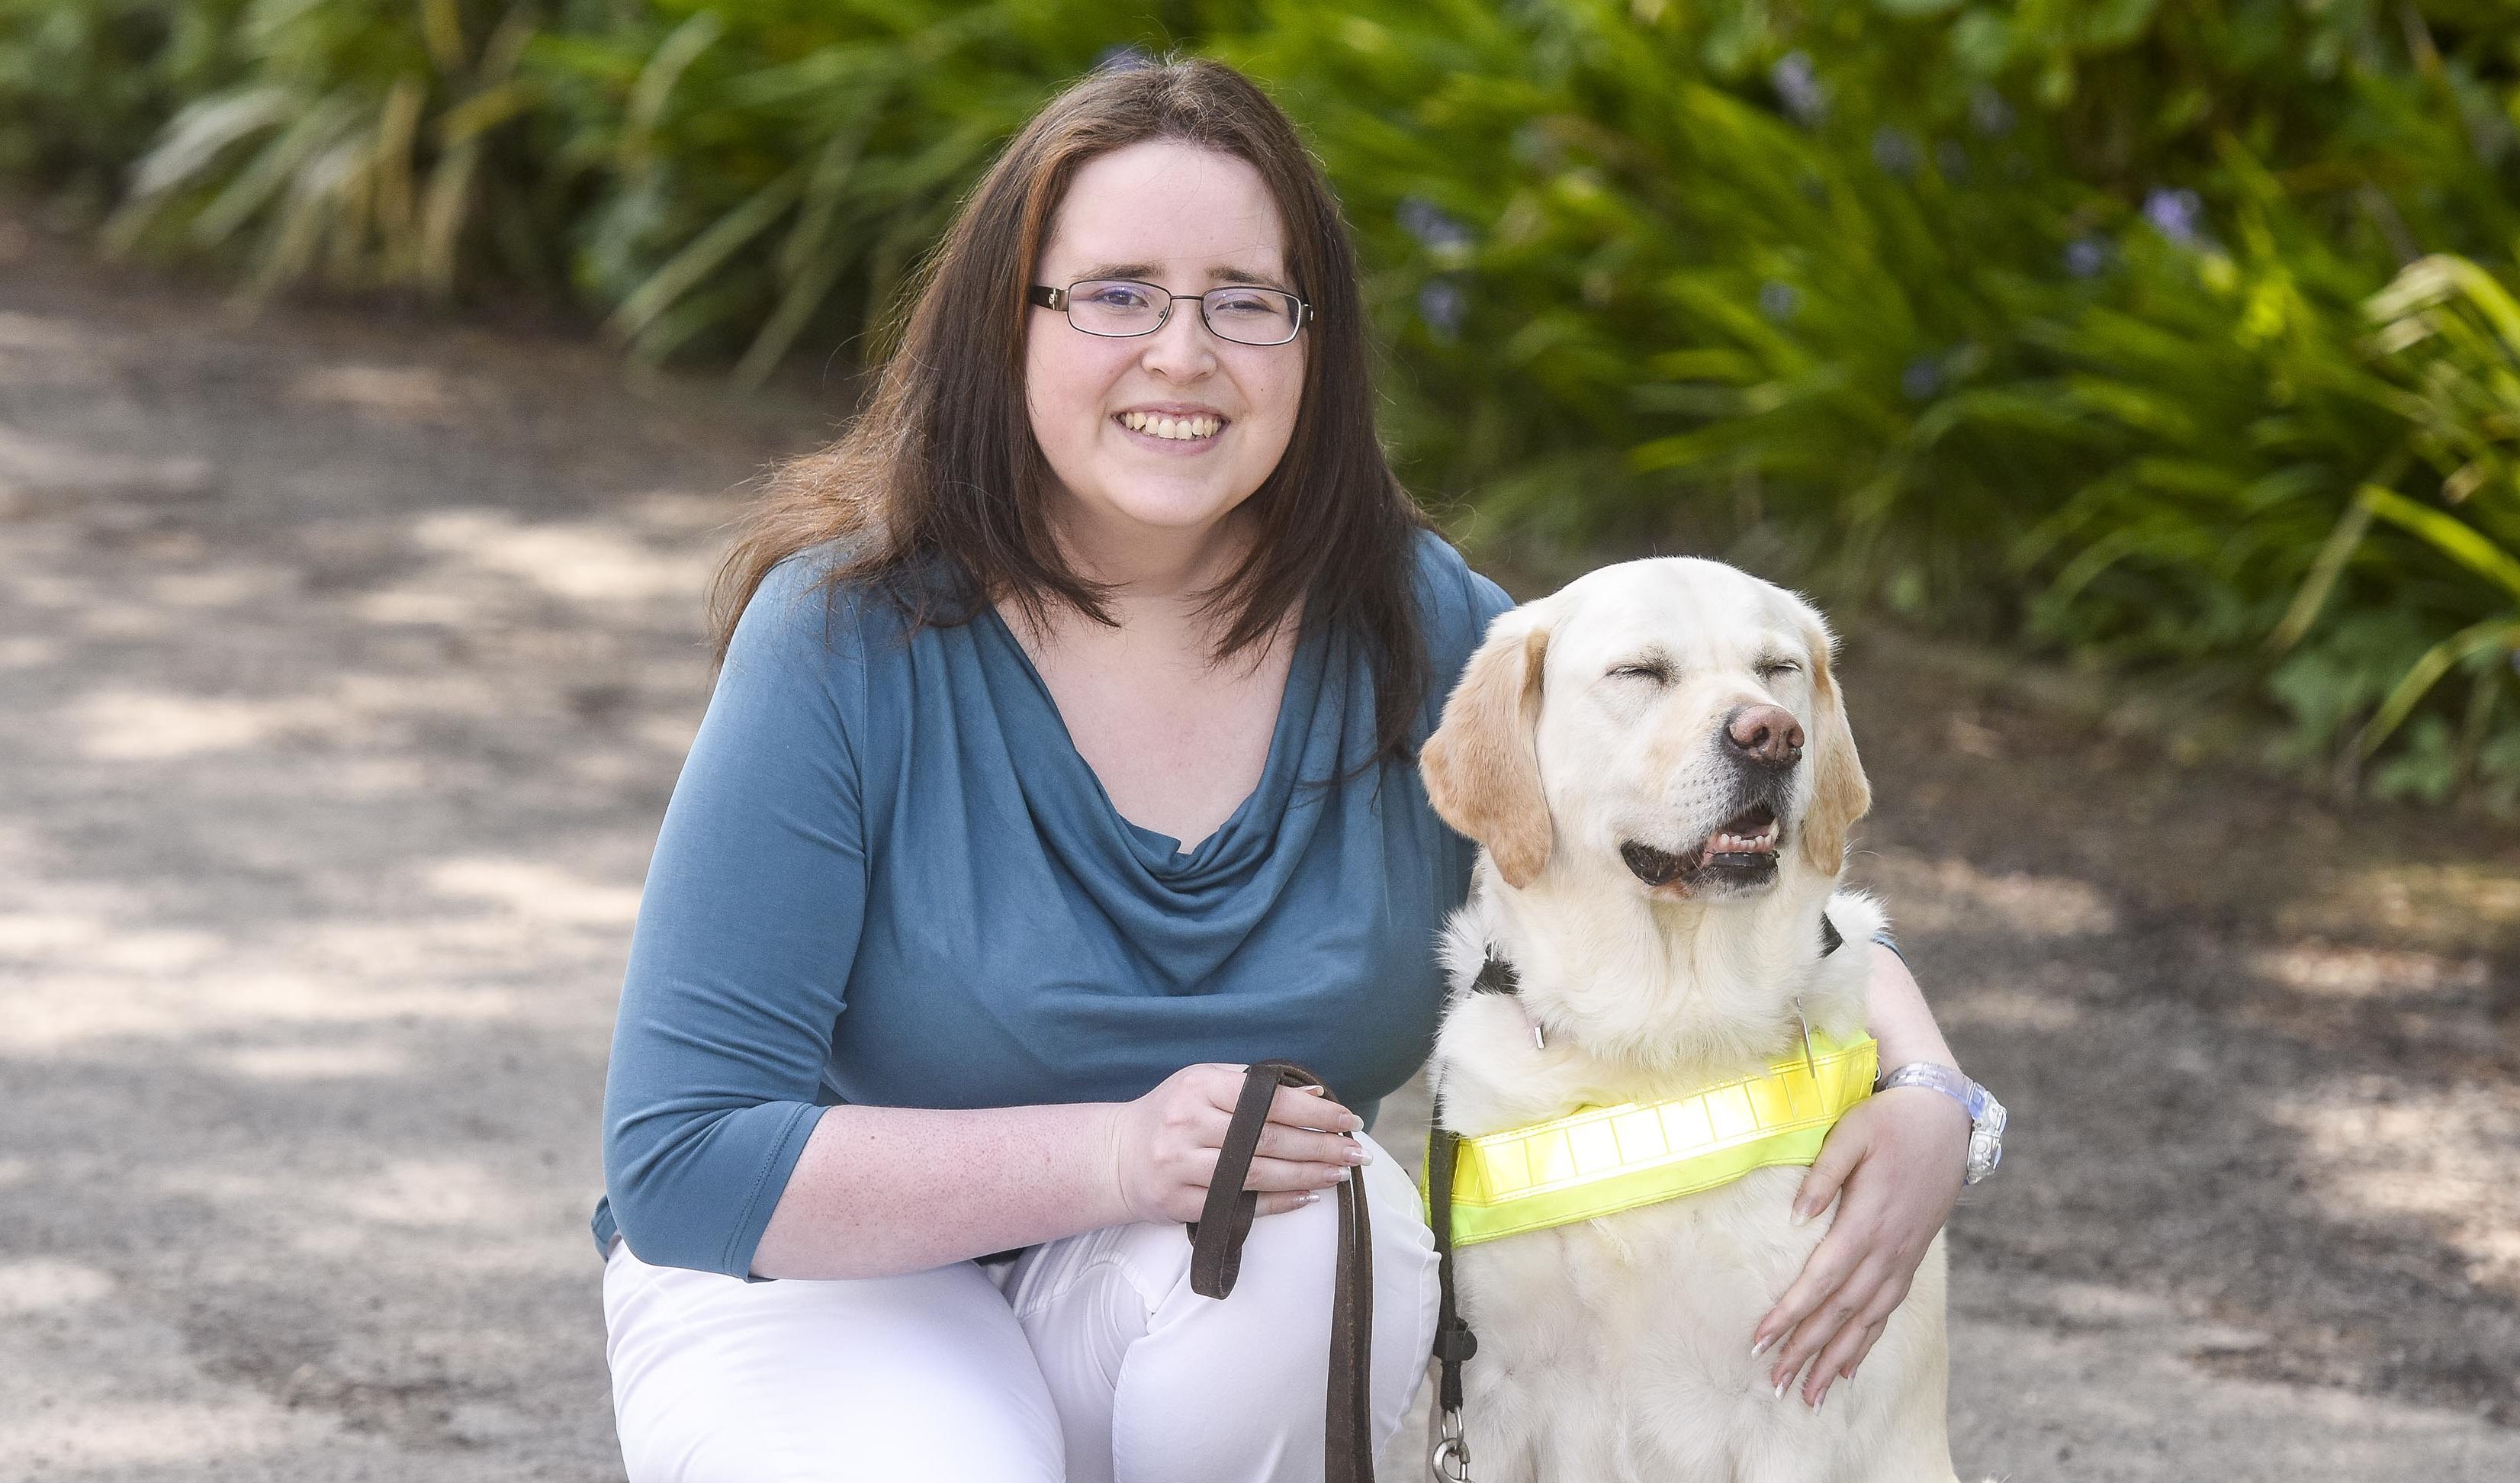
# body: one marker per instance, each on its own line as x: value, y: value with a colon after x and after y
x: 1119, y: 297
x: 1247, y: 304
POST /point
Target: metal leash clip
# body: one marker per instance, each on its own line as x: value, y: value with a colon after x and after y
x: 1450, y: 1461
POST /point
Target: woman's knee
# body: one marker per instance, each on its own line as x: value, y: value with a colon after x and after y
x: 1244, y: 1377
x: 922, y: 1375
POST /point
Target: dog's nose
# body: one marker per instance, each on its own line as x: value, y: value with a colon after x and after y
x: 1768, y: 735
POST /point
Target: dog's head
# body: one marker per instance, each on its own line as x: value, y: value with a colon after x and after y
x: 1672, y: 723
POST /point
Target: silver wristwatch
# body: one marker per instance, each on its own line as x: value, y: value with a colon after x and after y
x: 1986, y: 1114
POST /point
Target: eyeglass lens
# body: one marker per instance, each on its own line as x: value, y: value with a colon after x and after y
x: 1247, y: 315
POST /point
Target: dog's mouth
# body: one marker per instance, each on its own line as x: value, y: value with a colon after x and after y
x: 1743, y: 851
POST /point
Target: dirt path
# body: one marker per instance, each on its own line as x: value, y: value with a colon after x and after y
x: 345, y: 668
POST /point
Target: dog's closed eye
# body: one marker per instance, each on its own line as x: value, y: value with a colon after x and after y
x: 1769, y: 669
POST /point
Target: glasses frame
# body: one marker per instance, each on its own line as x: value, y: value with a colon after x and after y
x: 1042, y: 295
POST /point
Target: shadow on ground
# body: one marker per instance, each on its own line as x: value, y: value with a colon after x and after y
x: 345, y: 668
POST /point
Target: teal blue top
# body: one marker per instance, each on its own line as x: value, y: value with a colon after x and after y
x: 888, y: 877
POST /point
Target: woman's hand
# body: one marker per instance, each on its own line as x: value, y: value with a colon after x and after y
x: 1164, y: 1146
x: 1895, y: 1163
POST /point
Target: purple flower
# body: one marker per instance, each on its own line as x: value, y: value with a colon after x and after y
x: 2175, y: 215
x: 1987, y: 111
x: 1922, y: 379
x: 1436, y: 232
x: 1798, y: 86
x: 1440, y: 304
x: 2087, y: 256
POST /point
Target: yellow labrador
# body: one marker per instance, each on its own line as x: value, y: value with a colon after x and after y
x: 1656, y: 759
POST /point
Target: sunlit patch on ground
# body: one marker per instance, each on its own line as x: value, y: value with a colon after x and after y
x: 2451, y: 906
x: 356, y: 1061
x: 1951, y: 894
x: 535, y: 889
x: 47, y: 1283
x: 418, y: 394
x: 2445, y: 1156
x: 588, y: 560
x: 2349, y: 971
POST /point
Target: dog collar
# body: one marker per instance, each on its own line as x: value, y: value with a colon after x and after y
x: 1596, y: 1161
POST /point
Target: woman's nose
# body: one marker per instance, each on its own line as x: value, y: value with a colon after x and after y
x: 1183, y: 347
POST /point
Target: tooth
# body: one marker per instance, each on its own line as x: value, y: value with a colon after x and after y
x: 1207, y: 427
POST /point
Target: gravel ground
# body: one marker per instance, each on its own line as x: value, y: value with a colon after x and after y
x: 345, y: 664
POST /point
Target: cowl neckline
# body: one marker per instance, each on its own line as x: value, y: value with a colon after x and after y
x: 1062, y: 790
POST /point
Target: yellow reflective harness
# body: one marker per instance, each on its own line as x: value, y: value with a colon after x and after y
x: 1596, y: 1161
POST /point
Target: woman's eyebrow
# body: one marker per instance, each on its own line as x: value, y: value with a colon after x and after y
x: 1228, y: 273
x: 1219, y: 273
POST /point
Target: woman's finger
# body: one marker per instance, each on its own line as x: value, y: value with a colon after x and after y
x: 1827, y: 1316
x: 1304, y: 1147
x: 1297, y: 1107
x: 1844, y: 1148
x: 1824, y: 1272
x: 1291, y: 1174
x: 1871, y: 1336
x: 1833, y: 1358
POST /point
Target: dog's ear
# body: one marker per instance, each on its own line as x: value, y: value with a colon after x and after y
x: 1482, y: 764
x: 1840, y: 796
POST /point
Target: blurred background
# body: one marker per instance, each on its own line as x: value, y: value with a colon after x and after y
x: 2136, y: 383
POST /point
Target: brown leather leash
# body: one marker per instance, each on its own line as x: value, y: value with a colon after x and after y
x: 1216, y: 1260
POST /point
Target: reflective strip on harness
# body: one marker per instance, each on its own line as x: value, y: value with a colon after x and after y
x: 1597, y: 1161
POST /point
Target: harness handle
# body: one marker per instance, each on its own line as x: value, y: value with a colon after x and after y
x: 1216, y: 1261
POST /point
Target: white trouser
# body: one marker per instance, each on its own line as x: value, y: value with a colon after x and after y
x: 1087, y: 1359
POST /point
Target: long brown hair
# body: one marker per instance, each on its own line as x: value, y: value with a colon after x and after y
x: 942, y: 464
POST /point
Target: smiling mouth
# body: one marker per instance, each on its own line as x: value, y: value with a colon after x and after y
x: 1193, y: 428
x: 1743, y: 851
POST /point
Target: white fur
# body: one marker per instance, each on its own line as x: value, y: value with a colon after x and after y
x: 1619, y: 1349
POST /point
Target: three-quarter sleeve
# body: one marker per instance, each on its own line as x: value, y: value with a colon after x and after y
x: 746, y: 929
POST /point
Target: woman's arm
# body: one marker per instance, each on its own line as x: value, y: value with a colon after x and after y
x: 1893, y: 1163
x: 881, y: 1190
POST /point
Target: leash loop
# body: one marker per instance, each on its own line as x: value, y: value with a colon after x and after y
x: 1450, y: 1461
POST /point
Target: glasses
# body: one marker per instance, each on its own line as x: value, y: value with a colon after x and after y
x: 1121, y: 307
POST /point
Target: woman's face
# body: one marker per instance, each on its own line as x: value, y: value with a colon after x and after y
x: 1187, y: 219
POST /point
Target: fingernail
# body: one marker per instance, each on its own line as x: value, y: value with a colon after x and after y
x: 1358, y: 1153
x: 1315, y: 1090
x: 1309, y: 1197
x: 1780, y: 1390
x: 1801, y: 1216
x: 1355, y: 1124
x: 1815, y: 1405
x: 1760, y: 1346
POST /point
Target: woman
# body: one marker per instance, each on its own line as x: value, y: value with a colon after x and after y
x: 1060, y: 763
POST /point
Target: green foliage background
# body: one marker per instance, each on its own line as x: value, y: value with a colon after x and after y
x: 2172, y: 336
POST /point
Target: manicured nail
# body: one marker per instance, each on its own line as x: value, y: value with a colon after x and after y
x: 1308, y: 1198
x: 1815, y: 1405
x: 1780, y: 1390
x: 1355, y: 1124
x: 1801, y: 1216
x: 1315, y: 1090
x: 1760, y: 1347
